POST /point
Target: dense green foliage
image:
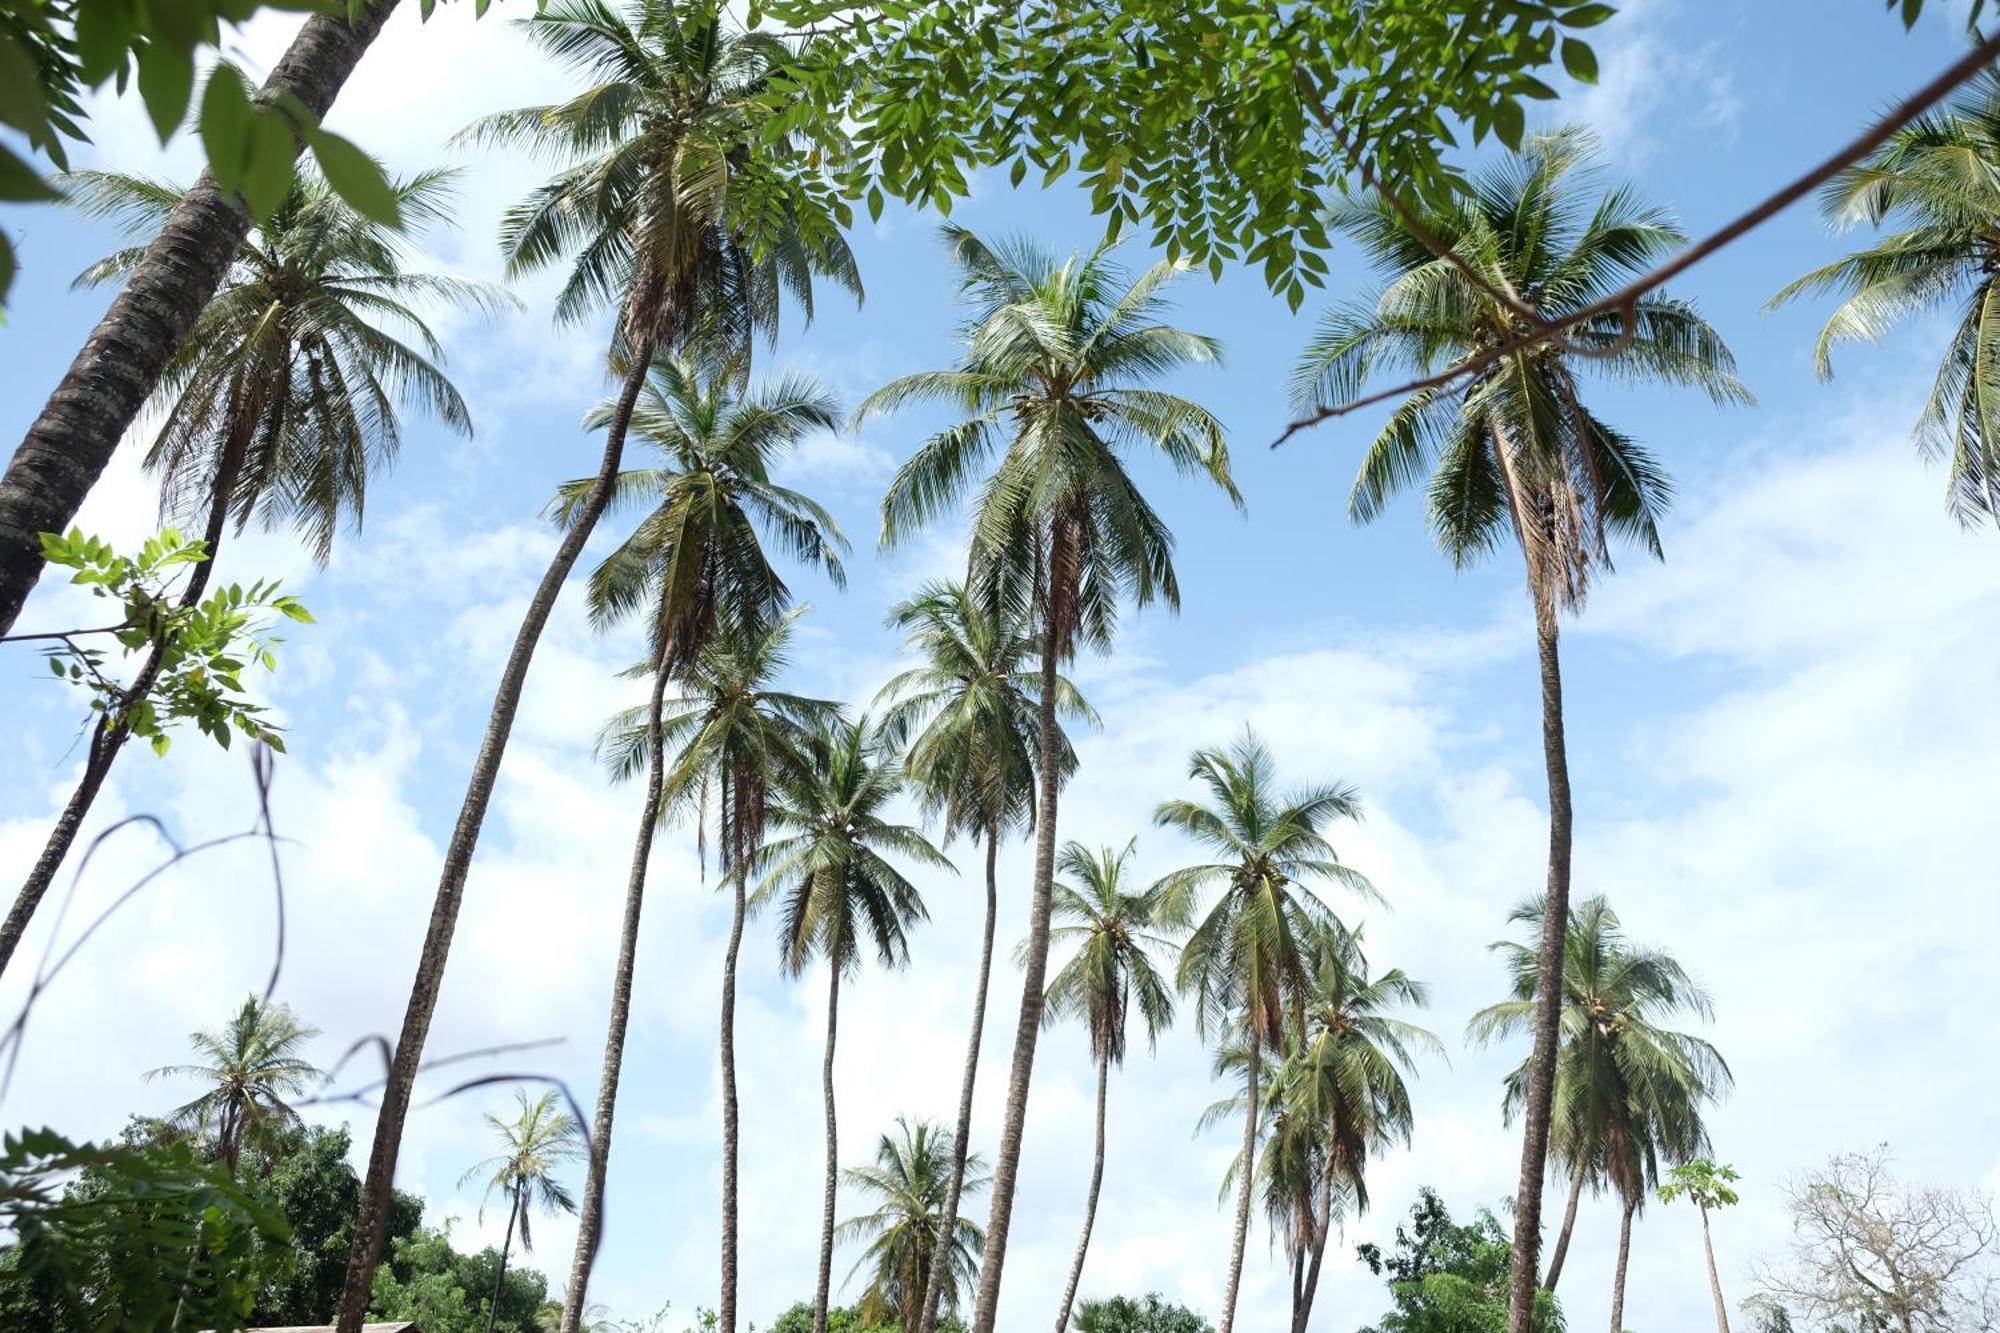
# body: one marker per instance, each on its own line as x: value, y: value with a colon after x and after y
x: 1148, y: 1314
x: 1450, y: 1277
x: 907, y: 1183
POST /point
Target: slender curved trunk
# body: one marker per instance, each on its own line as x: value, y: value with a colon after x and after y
x: 1618, y: 1274
x: 1246, y: 1170
x: 69, y: 444
x: 1562, y: 1241
x: 1324, y: 1223
x: 726, y: 1313
x: 370, y: 1222
x: 825, y: 1286
x: 1714, y: 1280
x: 1035, y: 968
x: 500, y: 1275
x: 1090, y: 1202
x: 108, y: 737
x: 1548, y: 985
x: 941, y: 1259
x: 590, y: 1216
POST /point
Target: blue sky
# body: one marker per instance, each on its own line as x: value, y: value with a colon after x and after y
x: 1782, y: 738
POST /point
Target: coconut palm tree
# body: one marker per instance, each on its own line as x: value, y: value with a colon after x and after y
x: 1513, y: 453
x: 252, y: 1065
x: 840, y: 891
x: 1250, y: 960
x: 1936, y: 183
x: 282, y: 399
x: 541, y: 1139
x: 911, y: 1182
x: 695, y: 563
x: 1708, y: 1186
x: 1628, y: 1092
x: 966, y: 720
x: 1055, y: 380
x: 650, y: 211
x: 1112, y: 972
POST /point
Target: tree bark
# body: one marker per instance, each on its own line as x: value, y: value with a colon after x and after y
x: 69, y: 444
x: 590, y: 1219
x: 108, y: 737
x: 1090, y: 1202
x: 1324, y: 1222
x: 726, y: 1313
x: 1714, y: 1280
x: 1562, y: 1241
x: 1618, y: 1275
x: 825, y: 1286
x: 1247, y: 1169
x: 371, y: 1221
x: 941, y: 1259
x: 1548, y: 984
x: 500, y: 1276
x: 1035, y: 967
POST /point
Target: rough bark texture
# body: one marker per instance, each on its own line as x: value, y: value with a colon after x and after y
x: 1714, y: 1280
x: 941, y: 1260
x: 370, y: 1222
x: 107, y: 738
x: 68, y: 445
x: 590, y: 1216
x: 1246, y: 1171
x: 1548, y: 988
x: 1090, y: 1200
x: 1034, y: 977
x: 726, y: 1305
x: 500, y: 1273
x: 1618, y: 1275
x: 825, y: 1286
x: 1562, y: 1241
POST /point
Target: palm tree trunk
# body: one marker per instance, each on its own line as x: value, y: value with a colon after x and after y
x: 1618, y: 1274
x: 1246, y: 1169
x: 1090, y: 1203
x: 832, y: 1152
x: 1035, y: 967
x: 727, y: 1303
x: 108, y: 737
x: 1323, y: 1224
x: 1562, y: 1241
x: 68, y: 446
x: 1714, y: 1280
x: 590, y: 1218
x: 371, y: 1221
x: 941, y: 1260
x: 1548, y: 984
x: 500, y: 1275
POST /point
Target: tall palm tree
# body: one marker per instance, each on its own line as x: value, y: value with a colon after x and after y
x: 967, y: 722
x: 173, y: 279
x: 652, y: 215
x: 697, y: 563
x: 1250, y: 960
x: 1513, y: 452
x: 840, y: 892
x: 1059, y: 357
x: 1937, y: 183
x: 911, y: 1182
x: 252, y: 1065
x: 1112, y: 972
x: 541, y: 1139
x: 1628, y: 1092
x: 283, y: 397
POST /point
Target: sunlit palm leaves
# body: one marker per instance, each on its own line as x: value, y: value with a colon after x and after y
x: 908, y: 1182
x: 540, y: 1140
x: 1115, y: 969
x: 252, y: 1068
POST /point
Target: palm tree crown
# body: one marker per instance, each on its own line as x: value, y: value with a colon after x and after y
x: 908, y: 1180
x: 252, y: 1066
x: 541, y: 1139
x: 1113, y: 970
x: 1937, y: 181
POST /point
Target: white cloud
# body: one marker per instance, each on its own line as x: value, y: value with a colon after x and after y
x: 1653, y: 83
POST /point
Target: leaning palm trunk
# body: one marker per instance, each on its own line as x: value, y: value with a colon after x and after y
x: 825, y: 1286
x: 1714, y: 1280
x: 1090, y: 1201
x: 590, y: 1216
x: 1562, y: 1240
x: 1034, y: 978
x: 110, y: 735
x: 1618, y: 1274
x: 69, y: 444
x: 1322, y: 1224
x: 1246, y: 1167
x: 727, y: 1313
x: 948, y: 1223
x: 1548, y: 984
x: 370, y: 1223
x: 500, y: 1274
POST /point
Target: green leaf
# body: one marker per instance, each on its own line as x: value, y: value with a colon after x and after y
x: 273, y: 163
x: 166, y: 82
x: 161, y: 742
x: 1589, y: 16
x: 21, y: 183
x: 1579, y: 60
x: 1509, y: 123
x: 21, y: 102
x: 355, y: 177
x: 225, y: 126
